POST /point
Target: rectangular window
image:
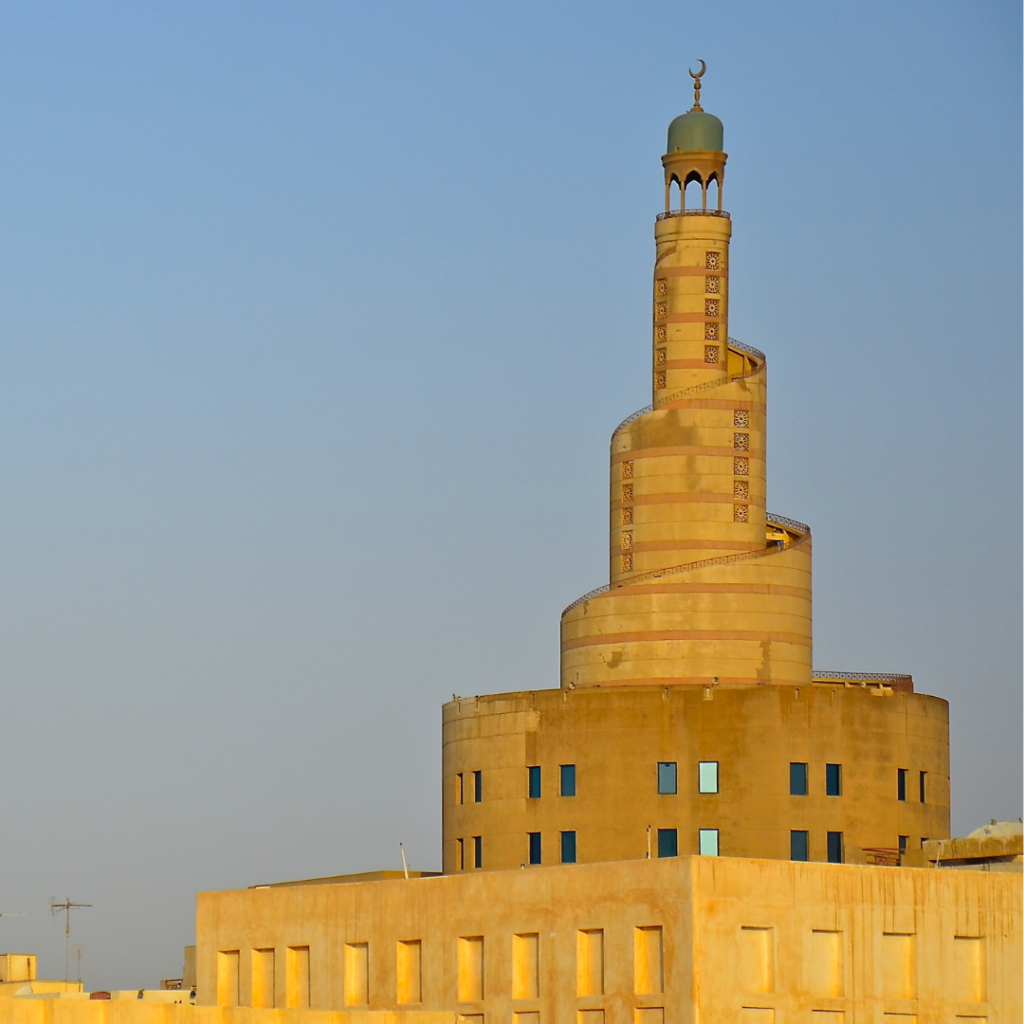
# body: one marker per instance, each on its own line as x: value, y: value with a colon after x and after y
x: 568, y: 847
x: 478, y: 851
x: 648, y: 961
x: 262, y: 976
x: 227, y: 978
x: 357, y: 974
x: 707, y: 777
x: 478, y: 786
x: 903, y: 840
x: 835, y: 847
x: 526, y: 966
x: 668, y: 842
x: 409, y: 972
x: 833, y: 780
x: 798, y: 845
x: 901, y: 783
x: 590, y: 962
x: 567, y: 780
x: 458, y: 788
x: 798, y: 778
x: 709, y: 842
x: 534, y: 847
x: 471, y: 968
x: 460, y: 854
x: 296, y: 977
x: 533, y: 782
x: 667, y: 777
x: 921, y: 785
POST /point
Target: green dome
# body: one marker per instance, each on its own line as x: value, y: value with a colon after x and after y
x: 695, y: 131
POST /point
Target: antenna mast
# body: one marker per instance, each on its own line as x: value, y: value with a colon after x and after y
x: 67, y: 906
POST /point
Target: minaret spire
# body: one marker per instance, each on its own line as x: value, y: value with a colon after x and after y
x: 697, y: 76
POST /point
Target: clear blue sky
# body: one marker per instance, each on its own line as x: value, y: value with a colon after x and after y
x: 315, y: 319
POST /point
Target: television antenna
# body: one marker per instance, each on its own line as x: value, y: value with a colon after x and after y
x: 67, y: 906
x: 77, y: 950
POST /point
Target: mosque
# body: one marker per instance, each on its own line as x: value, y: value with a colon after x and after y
x: 695, y: 826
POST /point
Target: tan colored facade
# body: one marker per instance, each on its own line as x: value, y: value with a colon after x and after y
x: 616, y: 738
x: 699, y: 649
x: 128, y: 1011
x: 683, y: 940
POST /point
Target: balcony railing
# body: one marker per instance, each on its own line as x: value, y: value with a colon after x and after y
x: 693, y: 213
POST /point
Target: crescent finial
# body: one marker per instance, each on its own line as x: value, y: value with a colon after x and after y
x: 696, y: 76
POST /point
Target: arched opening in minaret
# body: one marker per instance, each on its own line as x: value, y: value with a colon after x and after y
x: 673, y: 191
x: 714, y: 196
x: 693, y: 195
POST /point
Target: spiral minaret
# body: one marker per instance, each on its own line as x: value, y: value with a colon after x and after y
x: 688, y: 720
x: 704, y: 585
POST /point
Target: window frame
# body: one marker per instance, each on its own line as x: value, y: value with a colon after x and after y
x: 805, y: 837
x: 709, y: 833
x: 567, y: 780
x: 835, y: 770
x: 671, y: 768
x: 533, y: 775
x: 668, y: 841
x: 798, y: 764
x: 567, y: 842
x: 534, y: 848
x: 701, y: 765
x: 834, y: 844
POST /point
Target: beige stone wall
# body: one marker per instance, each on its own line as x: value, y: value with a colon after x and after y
x: 683, y: 940
x: 617, y: 736
x: 126, y: 1011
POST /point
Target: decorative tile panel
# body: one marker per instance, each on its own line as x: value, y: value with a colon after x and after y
x: 741, y: 466
x: 660, y: 286
x: 627, y: 470
x: 711, y: 354
x: 712, y: 261
x: 741, y: 489
x: 659, y: 380
x: 660, y: 310
x: 739, y: 513
x: 661, y: 334
x: 711, y: 332
x: 741, y: 418
x: 741, y: 442
x: 627, y: 515
x: 627, y: 493
x: 659, y: 357
x: 626, y: 540
x: 711, y: 307
x: 626, y: 562
x: 711, y: 285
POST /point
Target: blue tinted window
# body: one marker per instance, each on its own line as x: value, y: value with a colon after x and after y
x: 668, y: 842
x: 798, y: 845
x: 667, y: 778
x: 568, y: 847
x: 833, y: 780
x: 567, y: 781
x: 533, y: 777
x: 798, y: 780
x: 534, y: 847
x: 835, y: 847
